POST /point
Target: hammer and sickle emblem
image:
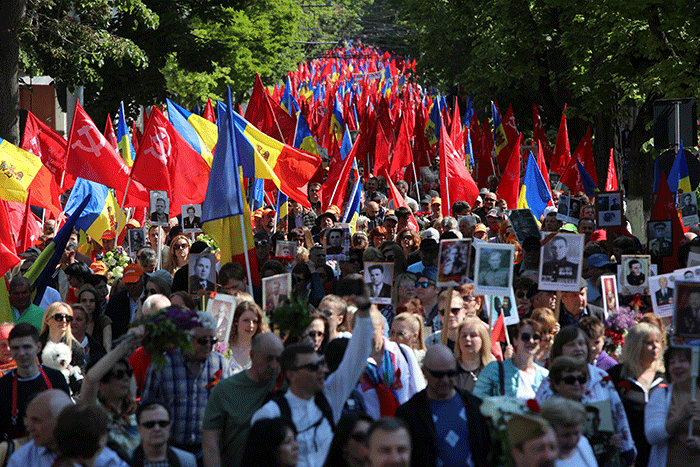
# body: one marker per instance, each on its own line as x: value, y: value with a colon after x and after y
x: 162, y: 143
x: 94, y: 148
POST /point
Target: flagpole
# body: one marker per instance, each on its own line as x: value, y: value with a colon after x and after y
x: 245, y: 254
x: 121, y: 207
x: 415, y: 179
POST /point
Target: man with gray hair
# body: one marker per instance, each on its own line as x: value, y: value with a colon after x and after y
x: 23, y: 310
x: 186, y: 382
x: 467, y: 224
x: 42, y: 450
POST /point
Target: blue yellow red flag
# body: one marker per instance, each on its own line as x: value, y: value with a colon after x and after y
x: 126, y: 149
x: 199, y: 132
x: 500, y: 140
x: 100, y: 213
x: 303, y: 139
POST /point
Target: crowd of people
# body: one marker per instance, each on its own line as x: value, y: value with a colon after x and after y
x: 392, y: 373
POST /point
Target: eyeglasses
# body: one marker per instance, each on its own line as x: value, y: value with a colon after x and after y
x: 180, y: 246
x: 454, y: 311
x: 526, y: 336
x: 520, y: 294
x: 438, y: 374
x: 358, y: 436
x: 468, y: 298
x: 407, y: 237
x: 424, y: 285
x: 152, y: 423
x: 312, y: 366
x: 88, y: 300
x: 261, y: 242
x: 571, y: 379
x: 314, y: 334
x: 61, y: 317
x: 207, y: 340
x: 119, y: 374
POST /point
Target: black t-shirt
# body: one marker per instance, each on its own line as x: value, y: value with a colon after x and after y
x: 26, y: 389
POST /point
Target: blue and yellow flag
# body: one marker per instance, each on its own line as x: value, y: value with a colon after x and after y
x: 589, y: 185
x: 303, y: 139
x: 346, y: 145
x: 282, y: 208
x: 126, y: 149
x: 500, y: 140
x: 199, y: 132
x: 534, y: 194
x: 352, y: 209
x: 337, y: 123
x: 678, y: 178
x: 100, y: 214
x: 432, y: 126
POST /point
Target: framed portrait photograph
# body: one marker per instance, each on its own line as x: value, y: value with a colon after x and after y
x: 661, y: 291
x: 505, y: 304
x: 159, y: 207
x: 276, y: 290
x: 693, y: 259
x: 137, y: 239
x: 338, y: 242
x: 493, y: 268
x: 659, y: 235
x: 609, y: 208
x: 598, y: 429
x: 608, y: 288
x: 222, y: 307
x: 569, y: 209
x: 285, y: 248
x: 524, y: 224
x: 560, y: 262
x: 202, y: 270
x: 379, y: 278
x: 453, y: 262
x: 633, y: 274
x: 191, y: 218
x: 686, y: 315
x: 689, y: 208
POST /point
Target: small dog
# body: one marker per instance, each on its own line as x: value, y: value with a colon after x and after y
x: 58, y: 356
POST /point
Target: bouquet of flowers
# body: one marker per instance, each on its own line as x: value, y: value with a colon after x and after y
x: 291, y: 319
x: 497, y: 411
x: 166, y: 330
x: 116, y: 260
x: 616, y: 326
x: 209, y: 241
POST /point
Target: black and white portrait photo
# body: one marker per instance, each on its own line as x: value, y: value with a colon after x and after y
x: 686, y: 316
x: 560, y: 263
x: 634, y: 274
x: 137, y: 239
x: 202, y: 269
x: 659, y: 234
x: 609, y: 208
x: 689, y: 209
x: 493, y: 274
x: 276, y: 290
x: 524, y: 224
x: 160, y: 207
x: 378, y: 280
x: 191, y: 215
x: 453, y: 262
x: 221, y: 307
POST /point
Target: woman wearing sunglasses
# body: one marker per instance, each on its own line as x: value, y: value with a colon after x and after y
x: 571, y: 341
x: 56, y: 328
x: 178, y: 254
x: 521, y: 376
x: 109, y: 383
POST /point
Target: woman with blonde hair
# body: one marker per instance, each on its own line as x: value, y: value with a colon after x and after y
x: 407, y: 328
x: 639, y: 373
x: 549, y: 328
x: 472, y: 352
x: 55, y: 327
x: 247, y: 323
x: 178, y: 254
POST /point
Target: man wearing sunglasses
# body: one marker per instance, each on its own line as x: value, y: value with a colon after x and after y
x: 452, y: 312
x: 443, y: 420
x: 313, y: 403
x: 153, y: 419
x: 186, y: 382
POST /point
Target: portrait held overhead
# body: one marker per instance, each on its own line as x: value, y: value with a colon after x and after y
x: 560, y: 262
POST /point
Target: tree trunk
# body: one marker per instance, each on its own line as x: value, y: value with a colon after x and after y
x: 11, y: 14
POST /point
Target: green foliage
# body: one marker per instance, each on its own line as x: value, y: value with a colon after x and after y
x: 292, y: 318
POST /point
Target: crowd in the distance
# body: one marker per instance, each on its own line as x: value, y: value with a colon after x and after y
x: 367, y: 384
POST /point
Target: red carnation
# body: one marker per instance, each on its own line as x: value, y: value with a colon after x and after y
x: 533, y: 405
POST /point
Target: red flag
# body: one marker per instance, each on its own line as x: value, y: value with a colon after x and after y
x: 285, y: 122
x: 542, y: 165
x: 456, y: 183
x: 135, y: 136
x: 421, y: 147
x: 91, y: 157
x: 333, y: 190
x: 571, y: 176
x: 109, y: 133
x: 42, y: 141
x: 402, y: 152
x: 384, y: 143
x: 400, y: 201
x: 209, y: 113
x: 498, y: 335
x: 8, y: 253
x: 152, y: 161
x: 562, y: 152
x: 611, y: 180
x: 456, y: 133
x: 665, y: 209
x: 509, y: 185
x: 486, y: 166
x: 585, y: 155
x: 541, y: 136
x: 262, y: 115
x: 24, y: 241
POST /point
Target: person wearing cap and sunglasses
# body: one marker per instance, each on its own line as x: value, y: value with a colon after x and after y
x: 122, y: 308
x: 153, y: 419
x: 444, y: 420
x: 186, y: 382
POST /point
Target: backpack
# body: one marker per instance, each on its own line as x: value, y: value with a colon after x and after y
x: 320, y: 401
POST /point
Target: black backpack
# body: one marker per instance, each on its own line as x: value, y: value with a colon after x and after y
x: 320, y: 401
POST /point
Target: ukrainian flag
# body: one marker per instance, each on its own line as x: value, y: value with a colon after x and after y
x: 678, y: 178
x: 126, y: 149
x: 534, y: 194
x: 199, y: 132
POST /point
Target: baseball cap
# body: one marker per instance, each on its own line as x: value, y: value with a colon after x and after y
x: 436, y: 200
x: 480, y: 228
x: 484, y: 191
x: 549, y: 209
x: 99, y: 268
x: 598, y: 260
x: 109, y: 235
x: 431, y: 233
x: 524, y: 427
x: 132, y: 274
x: 133, y: 223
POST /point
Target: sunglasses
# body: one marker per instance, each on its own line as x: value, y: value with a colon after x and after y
x: 207, y: 340
x: 152, y: 423
x: 151, y: 292
x: 469, y: 298
x: 407, y: 237
x: 119, y: 374
x: 572, y: 379
x: 261, y: 243
x: 326, y: 313
x: 437, y: 374
x: 61, y: 317
x: 180, y: 246
x: 314, y: 334
x: 525, y: 337
x: 520, y: 294
x: 271, y: 358
x: 312, y: 366
x: 454, y: 311
x: 424, y: 285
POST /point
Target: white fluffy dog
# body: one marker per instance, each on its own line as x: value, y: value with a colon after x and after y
x: 58, y: 356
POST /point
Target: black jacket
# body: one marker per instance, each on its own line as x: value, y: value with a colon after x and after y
x: 416, y: 413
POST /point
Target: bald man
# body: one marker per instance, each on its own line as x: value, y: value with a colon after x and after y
x: 140, y: 360
x: 234, y: 401
x: 41, y: 451
x: 444, y: 420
